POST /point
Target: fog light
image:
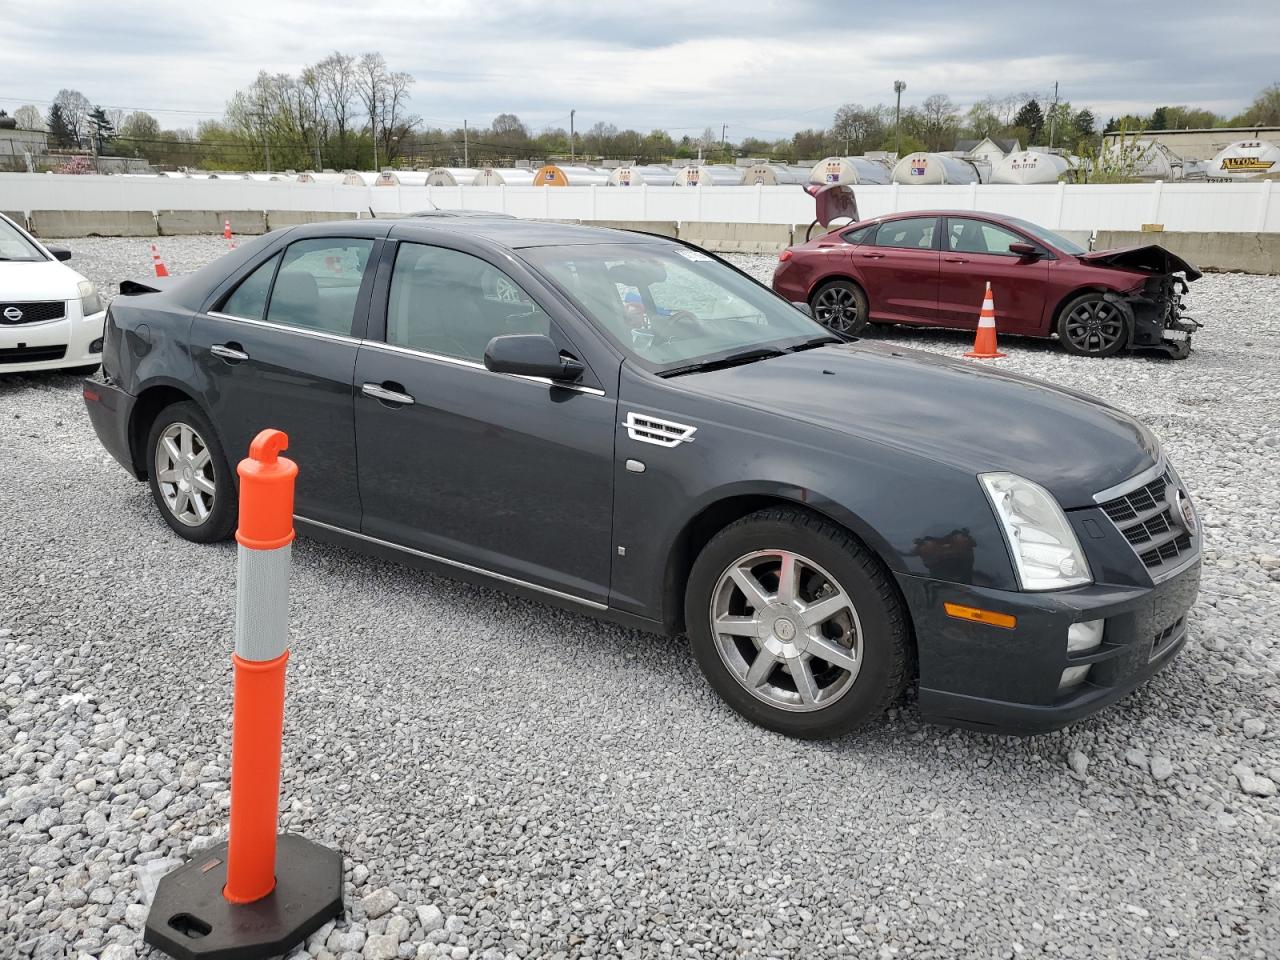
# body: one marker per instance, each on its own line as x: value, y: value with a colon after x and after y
x: 1073, y: 677
x: 96, y: 346
x: 1084, y: 635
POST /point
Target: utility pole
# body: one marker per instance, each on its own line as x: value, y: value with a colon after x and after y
x: 466, y: 155
x: 571, y: 116
x: 898, y: 87
x: 723, y: 128
x: 1053, y: 114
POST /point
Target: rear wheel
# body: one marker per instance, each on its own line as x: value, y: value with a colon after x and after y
x: 796, y: 624
x: 1092, y: 326
x: 841, y: 307
x: 190, y: 479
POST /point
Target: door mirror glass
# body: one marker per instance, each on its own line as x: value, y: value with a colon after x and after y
x: 803, y: 307
x: 530, y: 355
x: 60, y: 253
x: 1024, y: 249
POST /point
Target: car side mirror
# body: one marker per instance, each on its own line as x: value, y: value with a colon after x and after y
x: 530, y: 355
x: 803, y: 308
x: 60, y: 253
x: 1025, y: 250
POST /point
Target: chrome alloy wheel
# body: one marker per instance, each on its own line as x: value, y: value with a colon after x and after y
x: 836, y: 308
x: 184, y: 474
x: 1094, y: 326
x: 786, y: 630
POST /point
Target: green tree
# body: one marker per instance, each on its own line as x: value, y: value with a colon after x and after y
x: 60, y: 132
x: 1264, y: 111
x: 1032, y: 118
x: 1084, y: 122
x: 101, y: 127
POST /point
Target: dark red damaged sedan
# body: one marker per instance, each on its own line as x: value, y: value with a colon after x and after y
x: 931, y: 268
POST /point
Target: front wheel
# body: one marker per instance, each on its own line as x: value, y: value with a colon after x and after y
x: 1093, y: 326
x: 191, y: 481
x: 796, y: 624
x: 841, y: 307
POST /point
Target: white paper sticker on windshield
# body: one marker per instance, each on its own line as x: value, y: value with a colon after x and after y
x: 694, y: 255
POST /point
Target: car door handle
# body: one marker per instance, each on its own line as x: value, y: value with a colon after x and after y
x: 229, y: 351
x: 955, y: 259
x: 874, y: 256
x: 385, y: 394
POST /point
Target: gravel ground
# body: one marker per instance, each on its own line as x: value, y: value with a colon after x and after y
x: 506, y: 779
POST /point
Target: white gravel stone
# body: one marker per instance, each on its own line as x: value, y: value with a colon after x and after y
x: 1253, y: 783
x: 1161, y: 767
x: 437, y: 732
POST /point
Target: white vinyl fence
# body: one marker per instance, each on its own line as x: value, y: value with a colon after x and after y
x: 1197, y: 207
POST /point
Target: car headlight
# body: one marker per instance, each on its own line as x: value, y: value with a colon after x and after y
x: 1045, y: 551
x: 90, y: 302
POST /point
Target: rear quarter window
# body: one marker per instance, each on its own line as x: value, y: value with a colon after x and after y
x: 861, y: 234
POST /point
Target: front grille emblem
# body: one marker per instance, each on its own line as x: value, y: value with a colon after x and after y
x: 1183, y: 505
x: 12, y: 314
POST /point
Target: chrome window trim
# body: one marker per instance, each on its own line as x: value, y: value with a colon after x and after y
x: 461, y: 362
x: 1126, y: 487
x: 305, y: 331
x: 457, y: 564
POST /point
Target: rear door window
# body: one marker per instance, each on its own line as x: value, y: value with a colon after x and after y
x: 912, y: 233
x: 318, y: 284
x: 249, y: 301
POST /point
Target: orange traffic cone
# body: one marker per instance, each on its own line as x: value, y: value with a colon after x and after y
x: 161, y: 269
x: 226, y: 229
x: 984, y: 344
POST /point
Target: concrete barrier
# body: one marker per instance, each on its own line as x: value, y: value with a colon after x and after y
x: 664, y: 228
x: 276, y: 219
x: 177, y: 223
x: 1229, y: 252
x: 738, y: 237
x: 93, y: 223
x: 17, y: 216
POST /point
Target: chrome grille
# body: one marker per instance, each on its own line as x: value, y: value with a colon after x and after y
x: 663, y: 433
x: 32, y: 311
x: 1150, y: 519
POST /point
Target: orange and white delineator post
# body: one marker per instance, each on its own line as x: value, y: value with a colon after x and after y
x: 984, y: 343
x: 265, y: 536
x: 226, y: 229
x: 157, y: 263
x: 259, y: 894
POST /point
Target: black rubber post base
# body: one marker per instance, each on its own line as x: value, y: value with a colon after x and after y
x: 190, y: 918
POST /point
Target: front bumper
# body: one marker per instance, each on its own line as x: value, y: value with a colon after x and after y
x: 55, y: 345
x: 1000, y: 680
x: 110, y: 412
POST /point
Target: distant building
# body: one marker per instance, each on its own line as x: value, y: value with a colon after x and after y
x: 16, y: 145
x: 1200, y: 144
x: 990, y: 149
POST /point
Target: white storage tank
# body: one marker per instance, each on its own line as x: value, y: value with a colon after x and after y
x: 503, y: 176
x: 1144, y: 159
x: 1030, y: 166
x: 708, y: 175
x: 1245, y: 160
x: 328, y: 176
x: 772, y: 174
x: 930, y: 168
x: 360, y: 178
x: 849, y: 170
x: 451, y: 176
x: 632, y: 176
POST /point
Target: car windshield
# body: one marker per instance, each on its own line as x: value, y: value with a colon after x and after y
x: 1048, y: 236
x: 15, y: 246
x: 672, y: 307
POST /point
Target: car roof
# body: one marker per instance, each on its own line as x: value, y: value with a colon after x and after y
x: 518, y: 234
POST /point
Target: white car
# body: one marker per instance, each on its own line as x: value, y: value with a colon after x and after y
x: 51, y: 318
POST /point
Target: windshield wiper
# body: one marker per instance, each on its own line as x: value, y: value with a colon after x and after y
x: 719, y: 363
x: 815, y: 342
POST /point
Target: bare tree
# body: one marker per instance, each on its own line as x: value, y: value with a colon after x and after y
x: 29, y: 117
x: 371, y: 81
x: 336, y: 81
x: 75, y: 107
x: 395, y: 124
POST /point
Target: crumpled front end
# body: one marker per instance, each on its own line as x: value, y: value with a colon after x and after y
x: 1159, y: 318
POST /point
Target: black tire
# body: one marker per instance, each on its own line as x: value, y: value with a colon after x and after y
x: 880, y: 615
x: 220, y: 521
x: 1092, y: 326
x: 841, y: 307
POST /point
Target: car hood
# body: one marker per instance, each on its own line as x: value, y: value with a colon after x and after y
x: 1151, y: 257
x: 954, y: 412
x: 38, y: 280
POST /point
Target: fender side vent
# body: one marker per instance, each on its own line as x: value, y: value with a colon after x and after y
x: 663, y: 433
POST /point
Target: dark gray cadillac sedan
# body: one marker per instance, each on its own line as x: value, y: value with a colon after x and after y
x: 628, y: 426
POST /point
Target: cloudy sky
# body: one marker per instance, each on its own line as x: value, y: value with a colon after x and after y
x: 764, y: 68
